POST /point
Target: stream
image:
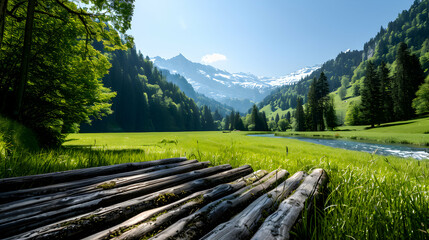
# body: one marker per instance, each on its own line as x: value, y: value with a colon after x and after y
x: 398, y: 150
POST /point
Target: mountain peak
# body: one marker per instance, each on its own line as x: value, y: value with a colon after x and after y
x: 180, y: 57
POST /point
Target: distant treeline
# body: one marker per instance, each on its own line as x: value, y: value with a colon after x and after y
x: 348, y: 69
x: 145, y: 101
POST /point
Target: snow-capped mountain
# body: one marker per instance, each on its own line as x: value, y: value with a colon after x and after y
x: 222, y: 85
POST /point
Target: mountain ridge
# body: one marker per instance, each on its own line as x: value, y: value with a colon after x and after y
x: 224, y: 86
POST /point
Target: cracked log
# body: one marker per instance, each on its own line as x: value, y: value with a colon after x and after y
x: 202, y: 221
x: 244, y: 224
x: 88, y: 193
x: 153, y: 220
x: 9, y: 184
x: 103, y: 218
x: 37, y: 195
x: 279, y: 224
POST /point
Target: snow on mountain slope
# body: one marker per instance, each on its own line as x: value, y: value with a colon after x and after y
x: 222, y: 85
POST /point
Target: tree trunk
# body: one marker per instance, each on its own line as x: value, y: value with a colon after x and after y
x: 92, y: 222
x: 33, y: 196
x: 278, y: 225
x: 80, y: 204
x: 247, y: 222
x: 100, y: 190
x: 9, y: 184
x: 152, y: 220
x: 26, y: 53
x: 3, y: 8
x: 202, y: 221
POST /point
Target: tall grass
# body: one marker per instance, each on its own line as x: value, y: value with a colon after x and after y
x: 368, y: 197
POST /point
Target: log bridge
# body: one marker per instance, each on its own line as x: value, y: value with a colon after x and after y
x: 171, y: 198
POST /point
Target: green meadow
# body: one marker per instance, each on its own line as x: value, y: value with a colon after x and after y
x: 368, y: 196
x: 414, y: 132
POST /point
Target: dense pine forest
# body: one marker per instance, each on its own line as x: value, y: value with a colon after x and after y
x: 145, y: 101
x: 407, y: 37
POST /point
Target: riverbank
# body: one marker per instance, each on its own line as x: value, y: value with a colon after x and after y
x: 385, y: 196
x: 413, y: 132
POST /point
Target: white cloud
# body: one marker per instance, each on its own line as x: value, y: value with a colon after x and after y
x: 211, y: 58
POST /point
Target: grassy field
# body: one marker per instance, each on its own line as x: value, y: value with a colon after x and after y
x: 407, y: 132
x: 369, y: 196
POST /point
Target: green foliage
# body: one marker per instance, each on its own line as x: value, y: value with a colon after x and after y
x: 63, y: 87
x: 421, y: 102
x: 199, y: 99
x: 146, y: 101
x: 342, y: 92
x: 408, y: 77
x: 388, y: 191
x: 258, y: 120
x: 371, y: 96
x: 354, y: 115
x: 284, y: 125
x: 410, y: 27
x: 16, y: 137
x: 299, y: 117
x: 330, y: 115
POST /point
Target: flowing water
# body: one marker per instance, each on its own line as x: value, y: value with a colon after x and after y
x: 398, y: 150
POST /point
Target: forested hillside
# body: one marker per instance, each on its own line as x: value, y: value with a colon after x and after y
x: 145, y: 101
x: 200, y: 99
x: 347, y: 70
x: 49, y: 72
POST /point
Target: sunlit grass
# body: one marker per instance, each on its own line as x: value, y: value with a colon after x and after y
x: 368, y: 197
x: 405, y: 132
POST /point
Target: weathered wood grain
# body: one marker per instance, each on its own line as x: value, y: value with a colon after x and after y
x: 247, y: 221
x: 33, y: 196
x: 9, y: 184
x: 154, y: 219
x: 86, y: 193
x: 95, y: 221
x: 279, y: 224
x: 202, y: 221
x: 73, y: 206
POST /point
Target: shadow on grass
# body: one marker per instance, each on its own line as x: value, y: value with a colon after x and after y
x: 390, y: 125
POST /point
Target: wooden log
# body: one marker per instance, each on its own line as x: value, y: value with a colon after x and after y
x: 100, y: 219
x: 88, y: 193
x: 76, y: 205
x: 9, y: 184
x: 151, y: 220
x: 279, y: 224
x: 247, y: 221
x: 202, y: 221
x: 32, y: 195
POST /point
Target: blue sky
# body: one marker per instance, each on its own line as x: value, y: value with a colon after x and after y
x: 263, y: 37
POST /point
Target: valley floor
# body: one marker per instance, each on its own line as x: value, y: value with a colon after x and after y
x: 370, y: 196
x: 415, y: 132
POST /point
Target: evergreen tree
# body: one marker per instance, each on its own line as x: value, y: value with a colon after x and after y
x: 299, y: 116
x: 330, y: 115
x: 386, y: 92
x: 408, y: 77
x: 277, y: 118
x: 238, y: 122
x: 263, y: 118
x: 232, y: 122
x: 288, y: 116
x: 371, y: 96
x: 207, y: 122
x: 227, y: 122
x: 322, y: 91
x: 313, y: 111
x: 217, y: 116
